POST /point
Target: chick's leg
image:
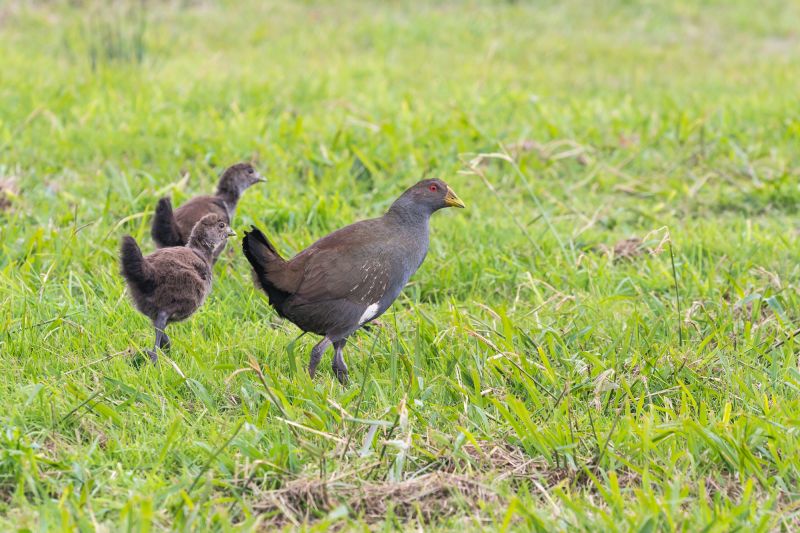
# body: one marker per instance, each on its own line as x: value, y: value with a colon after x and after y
x: 160, y: 323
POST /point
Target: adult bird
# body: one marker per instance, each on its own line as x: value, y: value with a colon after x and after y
x: 172, y: 228
x: 349, y: 278
x: 170, y: 284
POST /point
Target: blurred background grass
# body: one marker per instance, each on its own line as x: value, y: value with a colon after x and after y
x: 523, y: 328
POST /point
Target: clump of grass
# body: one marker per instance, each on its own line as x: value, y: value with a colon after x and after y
x: 119, y: 39
x: 113, y: 33
x: 428, y: 498
x: 21, y: 463
x: 451, y: 487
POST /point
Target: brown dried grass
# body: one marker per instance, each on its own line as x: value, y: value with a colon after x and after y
x: 457, y: 486
x: 8, y: 191
x: 624, y: 250
x: 424, y: 498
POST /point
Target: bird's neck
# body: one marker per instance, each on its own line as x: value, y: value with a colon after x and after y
x: 411, y: 226
x: 230, y: 199
x: 201, y: 246
x: 408, y: 214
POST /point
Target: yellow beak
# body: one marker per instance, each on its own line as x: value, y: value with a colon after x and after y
x: 451, y: 199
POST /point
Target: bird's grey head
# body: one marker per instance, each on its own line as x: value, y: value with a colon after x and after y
x: 210, y: 232
x: 237, y: 178
x: 425, y: 198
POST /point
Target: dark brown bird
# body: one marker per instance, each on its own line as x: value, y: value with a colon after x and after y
x: 170, y: 284
x: 350, y: 277
x: 173, y: 228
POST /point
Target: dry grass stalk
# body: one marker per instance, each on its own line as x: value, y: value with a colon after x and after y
x: 459, y: 485
x: 426, y: 498
x: 624, y: 250
x: 8, y: 192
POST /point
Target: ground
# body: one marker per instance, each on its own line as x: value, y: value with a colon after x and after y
x: 602, y: 340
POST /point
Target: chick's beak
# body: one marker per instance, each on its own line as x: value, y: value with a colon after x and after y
x: 231, y: 233
x: 260, y: 178
x: 451, y: 199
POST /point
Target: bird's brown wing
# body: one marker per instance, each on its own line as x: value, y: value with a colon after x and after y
x: 345, y: 275
x: 340, y: 290
x: 352, y: 264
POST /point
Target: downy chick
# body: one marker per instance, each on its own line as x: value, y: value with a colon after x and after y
x: 170, y: 284
x: 172, y: 228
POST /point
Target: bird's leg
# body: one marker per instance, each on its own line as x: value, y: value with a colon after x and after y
x: 339, y: 366
x: 316, y: 355
x: 166, y: 343
x: 160, y: 323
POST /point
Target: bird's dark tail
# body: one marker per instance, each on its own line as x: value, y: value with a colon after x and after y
x: 165, y: 229
x: 134, y: 268
x: 269, y: 268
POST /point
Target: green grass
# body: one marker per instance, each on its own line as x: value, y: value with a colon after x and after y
x: 625, y: 407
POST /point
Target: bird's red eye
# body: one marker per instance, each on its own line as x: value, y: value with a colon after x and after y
x: 433, y: 188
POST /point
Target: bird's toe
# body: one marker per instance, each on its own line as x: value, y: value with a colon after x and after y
x: 341, y: 373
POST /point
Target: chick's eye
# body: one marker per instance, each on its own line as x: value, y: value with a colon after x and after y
x: 221, y: 225
x: 250, y: 171
x: 433, y: 188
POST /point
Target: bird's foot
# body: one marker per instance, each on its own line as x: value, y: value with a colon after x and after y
x: 341, y: 373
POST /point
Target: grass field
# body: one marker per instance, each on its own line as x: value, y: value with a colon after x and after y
x: 602, y: 340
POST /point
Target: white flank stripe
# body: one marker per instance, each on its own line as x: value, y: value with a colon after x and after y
x: 369, y: 312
